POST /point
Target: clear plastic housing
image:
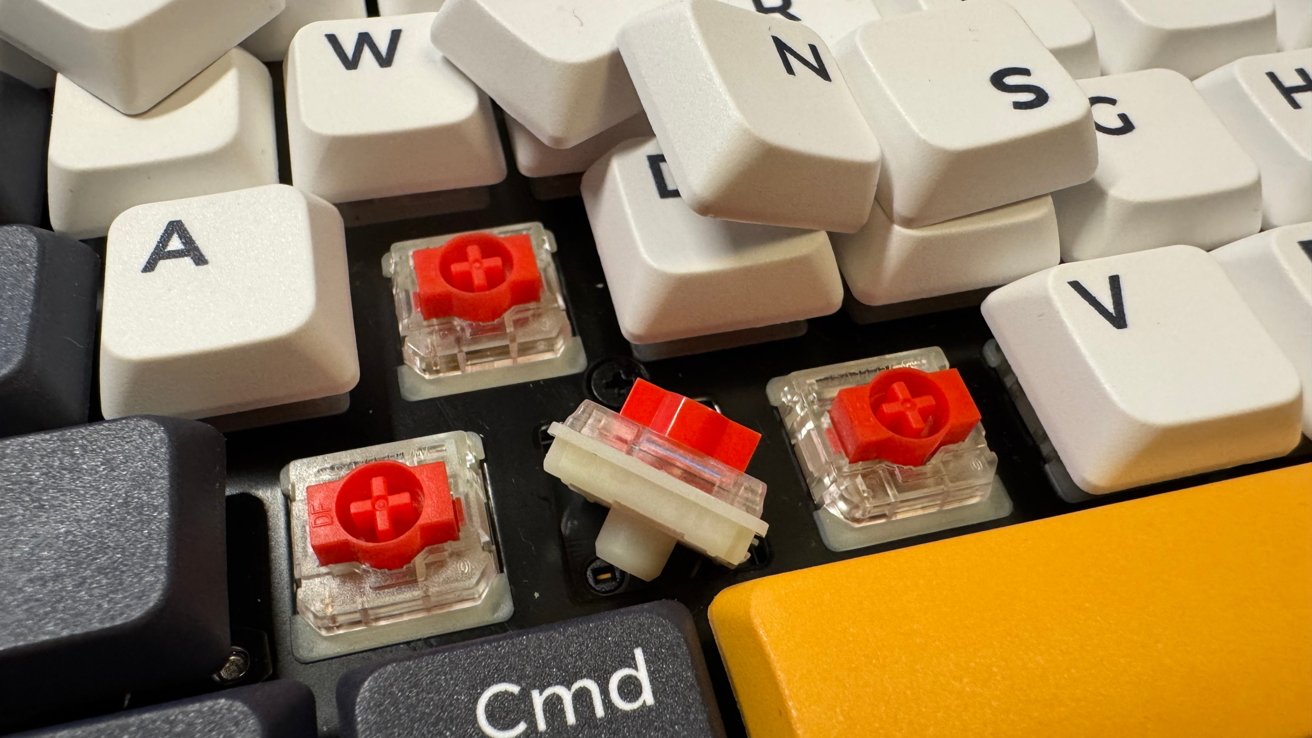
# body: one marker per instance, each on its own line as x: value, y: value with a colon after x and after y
x: 876, y: 491
x: 450, y: 576
x: 691, y: 467
x: 449, y: 346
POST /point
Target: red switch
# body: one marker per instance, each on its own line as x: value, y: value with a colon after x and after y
x: 382, y: 514
x: 476, y: 277
x: 903, y: 415
x: 691, y: 424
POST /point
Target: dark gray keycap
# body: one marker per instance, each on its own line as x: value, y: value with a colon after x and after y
x: 281, y: 709
x: 24, y: 130
x: 48, y: 290
x: 632, y: 672
x: 112, y: 564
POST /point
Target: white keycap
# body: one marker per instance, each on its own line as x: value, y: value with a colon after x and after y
x: 24, y: 68
x: 536, y: 159
x: 1146, y: 367
x: 1060, y: 26
x: 226, y: 303
x: 373, y: 110
x: 131, y: 53
x: 832, y: 19
x: 971, y: 110
x: 754, y: 115
x: 673, y: 274
x: 1168, y: 172
x: 270, y: 42
x: 214, y: 135
x: 553, y: 66
x: 1192, y: 37
x: 1294, y: 24
x: 406, y: 7
x: 885, y: 263
x: 1273, y: 272
x: 1266, y: 102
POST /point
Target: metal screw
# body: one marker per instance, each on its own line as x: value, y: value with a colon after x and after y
x: 235, y: 668
x: 610, y: 380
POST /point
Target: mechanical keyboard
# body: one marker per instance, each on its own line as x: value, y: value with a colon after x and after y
x: 760, y: 368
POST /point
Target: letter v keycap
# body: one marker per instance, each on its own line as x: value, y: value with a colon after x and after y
x: 1146, y: 367
x: 635, y: 671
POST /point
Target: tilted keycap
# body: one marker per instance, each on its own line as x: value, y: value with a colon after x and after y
x: 48, y: 287
x: 267, y: 710
x: 269, y: 44
x: 553, y: 66
x: 1183, y: 614
x: 131, y: 53
x: 24, y: 124
x: 972, y: 112
x: 734, y: 97
x: 636, y: 671
x: 112, y: 572
x: 214, y: 135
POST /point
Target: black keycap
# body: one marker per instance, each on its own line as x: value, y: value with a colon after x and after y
x: 632, y: 672
x: 281, y: 709
x: 48, y: 290
x: 24, y: 131
x: 112, y: 564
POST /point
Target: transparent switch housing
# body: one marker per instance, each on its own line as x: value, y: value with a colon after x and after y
x: 876, y: 491
x: 448, y: 586
x: 697, y: 470
x: 450, y: 346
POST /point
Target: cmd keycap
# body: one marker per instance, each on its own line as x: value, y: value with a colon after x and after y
x: 112, y: 572
x: 1183, y: 614
x: 635, y: 671
x: 277, y: 709
x: 48, y: 288
x: 24, y: 125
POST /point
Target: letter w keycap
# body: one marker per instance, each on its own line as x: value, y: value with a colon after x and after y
x: 365, y: 41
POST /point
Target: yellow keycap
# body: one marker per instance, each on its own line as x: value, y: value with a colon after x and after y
x: 1184, y: 615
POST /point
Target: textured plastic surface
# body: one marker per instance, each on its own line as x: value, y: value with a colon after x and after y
x: 277, y: 709
x: 114, y: 540
x: 382, y: 514
x: 48, y: 287
x: 636, y: 671
x: 904, y: 415
x: 1160, y: 617
x: 25, y: 120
